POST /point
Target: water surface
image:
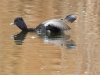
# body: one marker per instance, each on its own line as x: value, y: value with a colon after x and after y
x: 24, y: 53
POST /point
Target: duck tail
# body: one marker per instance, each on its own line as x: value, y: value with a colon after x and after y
x: 71, y: 18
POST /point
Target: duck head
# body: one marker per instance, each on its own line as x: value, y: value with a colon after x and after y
x: 19, y: 22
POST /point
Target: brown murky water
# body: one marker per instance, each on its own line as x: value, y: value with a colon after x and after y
x: 28, y: 54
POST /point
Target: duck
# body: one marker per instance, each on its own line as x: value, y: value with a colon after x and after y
x: 51, y: 26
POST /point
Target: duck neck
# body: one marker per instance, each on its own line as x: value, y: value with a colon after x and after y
x: 31, y: 29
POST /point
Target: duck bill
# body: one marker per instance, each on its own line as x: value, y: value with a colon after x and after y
x: 12, y: 23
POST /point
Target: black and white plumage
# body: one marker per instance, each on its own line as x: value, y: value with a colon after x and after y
x: 57, y: 23
x: 54, y: 25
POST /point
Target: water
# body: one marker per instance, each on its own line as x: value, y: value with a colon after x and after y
x: 23, y: 53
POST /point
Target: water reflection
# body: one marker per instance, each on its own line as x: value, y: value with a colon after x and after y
x: 58, y: 39
x: 19, y: 38
x: 71, y: 44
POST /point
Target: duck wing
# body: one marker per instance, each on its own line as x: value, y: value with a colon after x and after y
x: 57, y: 23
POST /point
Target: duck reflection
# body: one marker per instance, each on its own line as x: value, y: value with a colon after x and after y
x: 19, y: 38
x: 70, y: 44
x: 58, y: 39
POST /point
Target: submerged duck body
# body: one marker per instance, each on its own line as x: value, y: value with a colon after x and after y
x: 55, y: 25
x: 52, y: 26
